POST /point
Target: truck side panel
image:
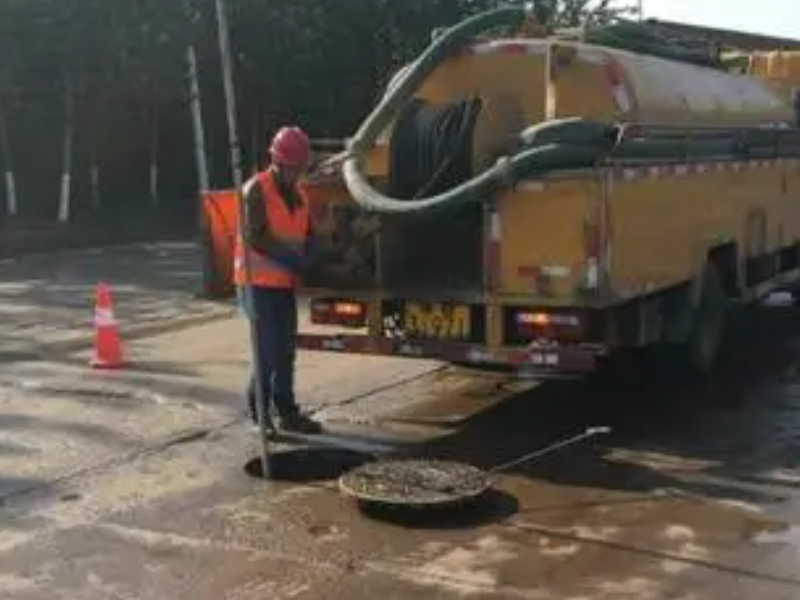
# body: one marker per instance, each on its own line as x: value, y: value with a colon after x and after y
x: 544, y: 237
x: 664, y: 220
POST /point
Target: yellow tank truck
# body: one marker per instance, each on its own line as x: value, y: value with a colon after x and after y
x: 781, y: 69
x: 543, y: 203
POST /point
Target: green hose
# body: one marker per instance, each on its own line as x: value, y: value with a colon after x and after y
x: 553, y: 144
x: 503, y: 175
x: 408, y: 82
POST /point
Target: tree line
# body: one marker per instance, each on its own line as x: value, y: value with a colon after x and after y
x: 94, y: 103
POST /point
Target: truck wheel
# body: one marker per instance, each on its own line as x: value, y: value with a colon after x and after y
x: 708, y: 326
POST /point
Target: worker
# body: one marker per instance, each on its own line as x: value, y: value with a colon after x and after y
x: 278, y: 238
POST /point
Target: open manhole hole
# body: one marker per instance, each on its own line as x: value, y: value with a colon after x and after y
x: 310, y: 464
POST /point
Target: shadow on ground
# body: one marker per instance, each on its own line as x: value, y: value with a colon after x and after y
x: 670, y: 433
x: 494, y: 506
x: 15, y: 485
x: 307, y: 464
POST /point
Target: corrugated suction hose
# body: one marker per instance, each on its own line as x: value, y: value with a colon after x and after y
x: 504, y: 173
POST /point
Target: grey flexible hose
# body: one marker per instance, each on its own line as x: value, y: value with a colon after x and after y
x: 408, y: 82
x: 552, y: 144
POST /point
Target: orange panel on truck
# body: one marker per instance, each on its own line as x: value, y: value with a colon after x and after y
x: 221, y: 212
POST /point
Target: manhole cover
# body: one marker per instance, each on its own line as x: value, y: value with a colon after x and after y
x: 415, y: 482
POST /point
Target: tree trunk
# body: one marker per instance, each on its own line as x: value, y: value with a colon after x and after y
x: 211, y: 277
x: 155, y: 126
x: 197, y: 123
x: 5, y: 148
x: 94, y: 180
x: 94, y: 167
x: 66, y: 176
x: 256, y: 141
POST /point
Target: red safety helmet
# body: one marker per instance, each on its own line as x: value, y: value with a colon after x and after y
x: 291, y: 147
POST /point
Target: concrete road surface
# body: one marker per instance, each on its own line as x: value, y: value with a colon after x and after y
x: 139, y: 484
x: 47, y: 300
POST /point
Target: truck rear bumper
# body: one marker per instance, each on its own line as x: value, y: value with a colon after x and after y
x: 534, y: 360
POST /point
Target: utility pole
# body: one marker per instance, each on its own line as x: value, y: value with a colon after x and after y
x: 262, y: 410
x: 69, y: 135
x: 230, y: 92
x: 197, y: 122
x: 641, y: 10
x: 210, y: 279
x: 209, y: 268
x: 5, y: 152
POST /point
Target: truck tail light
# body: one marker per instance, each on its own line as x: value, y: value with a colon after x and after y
x: 541, y: 324
x: 533, y: 319
x: 338, y: 312
x: 348, y: 309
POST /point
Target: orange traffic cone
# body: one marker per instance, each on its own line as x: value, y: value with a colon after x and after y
x: 107, y: 346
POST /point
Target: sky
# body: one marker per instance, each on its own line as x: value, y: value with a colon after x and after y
x: 770, y: 17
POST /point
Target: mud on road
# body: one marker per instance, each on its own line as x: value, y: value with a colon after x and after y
x: 695, y: 496
x: 734, y: 435
x: 700, y: 476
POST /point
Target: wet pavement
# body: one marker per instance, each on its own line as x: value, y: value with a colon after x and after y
x: 133, y: 484
x: 47, y: 299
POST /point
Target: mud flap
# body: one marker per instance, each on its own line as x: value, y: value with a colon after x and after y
x: 709, y: 323
x: 678, y: 311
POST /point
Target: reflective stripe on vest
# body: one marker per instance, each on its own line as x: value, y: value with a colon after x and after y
x: 289, y: 227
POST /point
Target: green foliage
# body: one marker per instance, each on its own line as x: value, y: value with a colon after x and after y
x: 320, y: 63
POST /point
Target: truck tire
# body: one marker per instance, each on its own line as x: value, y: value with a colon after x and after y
x: 708, y: 324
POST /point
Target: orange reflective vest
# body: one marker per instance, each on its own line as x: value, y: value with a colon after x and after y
x: 289, y: 227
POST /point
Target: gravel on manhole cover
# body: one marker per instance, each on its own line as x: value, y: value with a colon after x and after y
x: 416, y: 482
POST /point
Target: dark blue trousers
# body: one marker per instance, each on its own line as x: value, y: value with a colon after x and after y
x: 275, y: 313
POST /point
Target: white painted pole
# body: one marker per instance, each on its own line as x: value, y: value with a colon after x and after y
x: 63, y: 204
x: 94, y: 166
x: 11, y: 195
x: 66, y: 177
x: 209, y: 268
x: 154, y: 172
x: 154, y: 199
x: 94, y: 175
x: 230, y: 93
x: 5, y: 146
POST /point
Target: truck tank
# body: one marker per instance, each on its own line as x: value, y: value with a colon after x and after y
x: 778, y: 66
x: 522, y: 82
x: 781, y: 71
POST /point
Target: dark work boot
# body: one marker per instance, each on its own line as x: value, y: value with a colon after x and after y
x: 298, y: 423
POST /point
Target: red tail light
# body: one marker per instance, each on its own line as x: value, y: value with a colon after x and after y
x: 338, y: 312
x: 538, y: 324
x: 348, y: 309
